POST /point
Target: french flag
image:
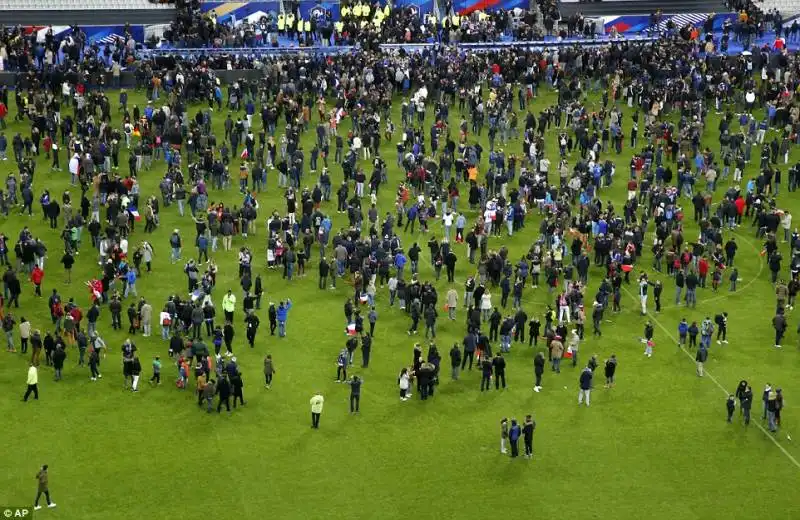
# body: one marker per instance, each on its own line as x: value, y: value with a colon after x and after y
x: 134, y: 213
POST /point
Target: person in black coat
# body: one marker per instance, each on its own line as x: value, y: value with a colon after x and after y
x: 455, y: 361
x: 237, y: 384
x: 224, y: 393
x: 273, y: 319
x: 538, y: 369
x: 499, y: 366
x: 324, y: 269
x: 366, y: 349
x: 58, y: 362
x: 486, y: 373
x: 227, y: 334
x: 252, y: 322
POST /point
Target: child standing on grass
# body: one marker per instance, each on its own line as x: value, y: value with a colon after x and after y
x: 183, y: 373
x: 156, y: 371
x: 733, y: 278
x: 730, y: 404
x: 404, y: 382
x: 648, y: 348
x: 648, y: 339
x: 503, y: 434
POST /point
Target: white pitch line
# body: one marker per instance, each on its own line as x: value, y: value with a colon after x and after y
x: 712, y: 378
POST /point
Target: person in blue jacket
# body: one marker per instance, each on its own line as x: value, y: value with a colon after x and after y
x: 400, y: 263
x: 282, y: 313
x: 683, y: 331
x: 514, y: 434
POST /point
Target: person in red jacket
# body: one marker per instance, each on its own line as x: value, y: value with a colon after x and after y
x: 37, y: 275
x: 702, y: 270
x: 740, y: 206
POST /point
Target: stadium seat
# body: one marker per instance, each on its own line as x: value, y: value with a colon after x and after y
x: 786, y: 7
x: 29, y: 5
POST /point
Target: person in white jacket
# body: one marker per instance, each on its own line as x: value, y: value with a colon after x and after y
x: 486, y: 306
x: 786, y: 224
x: 405, y: 382
x: 74, y: 168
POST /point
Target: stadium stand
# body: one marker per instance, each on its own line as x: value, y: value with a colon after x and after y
x: 786, y: 7
x: 624, y: 7
x: 85, y: 12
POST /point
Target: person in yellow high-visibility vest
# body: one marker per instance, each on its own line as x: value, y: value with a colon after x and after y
x: 290, y: 25
x: 307, y: 27
x: 387, y: 11
x: 339, y: 26
x: 365, y: 10
x: 357, y: 10
x: 281, y: 24
x: 456, y: 21
x: 345, y: 12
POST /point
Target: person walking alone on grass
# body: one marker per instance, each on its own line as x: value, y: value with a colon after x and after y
x: 527, y: 432
x: 94, y: 364
x: 44, y: 488
x: 585, y: 383
x: 780, y: 326
x: 156, y: 371
x: 700, y: 358
x: 514, y: 434
x: 317, y: 402
x: 610, y: 370
x: 455, y: 361
x: 33, y: 383
x: 538, y: 370
x: 269, y: 370
x: 355, y: 393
